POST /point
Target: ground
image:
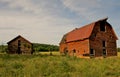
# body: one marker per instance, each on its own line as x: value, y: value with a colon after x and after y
x: 44, y: 65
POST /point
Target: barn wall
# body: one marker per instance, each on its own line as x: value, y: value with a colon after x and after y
x: 26, y: 47
x: 97, y: 38
x: 62, y: 47
x: 78, y: 48
x: 12, y: 48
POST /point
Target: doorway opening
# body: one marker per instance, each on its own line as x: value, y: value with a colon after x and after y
x: 19, y: 47
x: 92, y: 52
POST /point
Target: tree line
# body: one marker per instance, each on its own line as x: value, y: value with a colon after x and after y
x: 37, y: 47
x: 45, y: 47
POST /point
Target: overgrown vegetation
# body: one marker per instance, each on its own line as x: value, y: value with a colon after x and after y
x: 45, y: 47
x: 40, y: 65
x: 3, y: 48
x: 36, y: 46
x: 118, y: 49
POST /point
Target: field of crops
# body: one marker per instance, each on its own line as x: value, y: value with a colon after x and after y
x: 44, y: 65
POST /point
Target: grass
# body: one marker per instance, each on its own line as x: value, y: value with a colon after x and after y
x: 44, y: 65
x: 48, y: 53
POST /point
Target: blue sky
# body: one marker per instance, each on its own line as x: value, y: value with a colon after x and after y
x: 46, y: 21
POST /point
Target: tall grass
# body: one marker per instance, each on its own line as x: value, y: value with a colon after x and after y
x: 57, y: 66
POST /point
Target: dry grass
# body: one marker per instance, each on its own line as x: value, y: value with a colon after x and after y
x: 48, y: 53
x: 42, y: 65
x: 118, y: 54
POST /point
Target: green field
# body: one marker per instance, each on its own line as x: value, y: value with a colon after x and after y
x: 44, y: 65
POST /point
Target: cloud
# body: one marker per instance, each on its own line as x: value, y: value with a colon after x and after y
x: 9, y: 28
x: 94, y: 9
x: 39, y: 8
x: 46, y: 21
x: 23, y: 5
x: 83, y: 8
x: 35, y: 28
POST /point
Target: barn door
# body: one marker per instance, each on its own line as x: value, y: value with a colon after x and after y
x: 65, y: 51
x: 19, y: 47
x: 104, y: 53
x: 74, y: 52
x: 92, y: 52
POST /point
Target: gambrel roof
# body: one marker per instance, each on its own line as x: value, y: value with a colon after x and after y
x: 82, y: 33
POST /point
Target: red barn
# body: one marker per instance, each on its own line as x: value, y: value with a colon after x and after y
x: 20, y: 45
x: 93, y: 40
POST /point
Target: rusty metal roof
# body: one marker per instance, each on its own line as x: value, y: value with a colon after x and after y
x: 80, y: 33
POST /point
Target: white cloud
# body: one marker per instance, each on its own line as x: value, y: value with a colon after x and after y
x: 24, y: 5
x: 93, y: 9
x: 81, y: 4
x: 83, y: 8
x: 35, y: 28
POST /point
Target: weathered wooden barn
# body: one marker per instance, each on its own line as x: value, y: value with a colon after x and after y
x: 19, y: 45
x: 97, y: 39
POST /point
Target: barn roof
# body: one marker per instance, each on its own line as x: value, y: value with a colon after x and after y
x: 19, y: 36
x: 81, y: 33
x: 63, y: 39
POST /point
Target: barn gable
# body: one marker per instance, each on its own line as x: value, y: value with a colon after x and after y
x: 20, y: 45
x: 113, y: 31
x: 19, y: 36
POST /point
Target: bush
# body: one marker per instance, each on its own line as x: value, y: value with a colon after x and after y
x: 45, y: 47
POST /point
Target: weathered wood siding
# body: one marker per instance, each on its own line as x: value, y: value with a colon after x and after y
x: 97, y: 38
x: 25, y: 46
x: 63, y: 47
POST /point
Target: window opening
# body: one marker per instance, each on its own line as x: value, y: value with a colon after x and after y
x: 102, y: 26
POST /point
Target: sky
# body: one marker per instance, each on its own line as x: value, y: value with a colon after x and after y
x: 46, y: 21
